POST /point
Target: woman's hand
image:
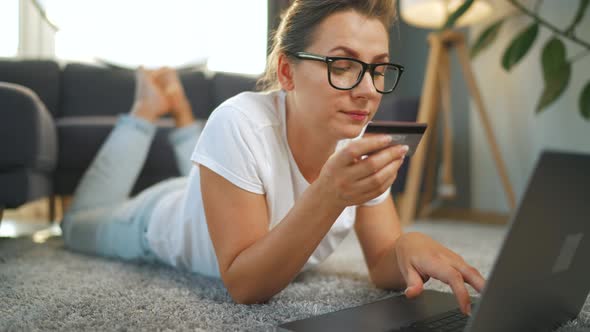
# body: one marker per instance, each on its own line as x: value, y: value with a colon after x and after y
x: 351, y: 179
x: 420, y: 258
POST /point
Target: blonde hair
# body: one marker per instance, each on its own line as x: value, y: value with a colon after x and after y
x: 300, y: 20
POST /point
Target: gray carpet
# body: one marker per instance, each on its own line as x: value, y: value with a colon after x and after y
x: 44, y: 287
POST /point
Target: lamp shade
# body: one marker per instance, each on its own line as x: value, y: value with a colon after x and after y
x: 434, y: 13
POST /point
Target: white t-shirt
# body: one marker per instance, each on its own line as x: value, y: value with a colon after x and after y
x: 244, y: 141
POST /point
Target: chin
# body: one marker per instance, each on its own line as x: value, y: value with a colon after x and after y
x: 352, y: 131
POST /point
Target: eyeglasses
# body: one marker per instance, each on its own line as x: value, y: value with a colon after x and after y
x: 346, y: 73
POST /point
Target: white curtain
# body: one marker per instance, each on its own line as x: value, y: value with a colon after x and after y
x: 36, y: 32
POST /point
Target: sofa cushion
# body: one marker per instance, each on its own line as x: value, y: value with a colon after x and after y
x: 41, y: 76
x: 226, y: 85
x: 92, y: 90
x: 80, y: 139
x: 198, y: 91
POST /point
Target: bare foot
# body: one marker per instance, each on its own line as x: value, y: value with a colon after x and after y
x: 150, y: 102
x: 170, y: 84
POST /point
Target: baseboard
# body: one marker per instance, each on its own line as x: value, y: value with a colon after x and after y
x: 438, y: 210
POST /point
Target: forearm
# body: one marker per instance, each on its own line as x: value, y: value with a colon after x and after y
x: 267, y: 267
x: 378, y: 230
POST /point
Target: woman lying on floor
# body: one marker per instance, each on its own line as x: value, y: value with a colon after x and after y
x: 277, y: 179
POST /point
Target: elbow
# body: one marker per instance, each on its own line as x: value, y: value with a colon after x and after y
x: 243, y: 292
x: 245, y: 299
x: 242, y: 295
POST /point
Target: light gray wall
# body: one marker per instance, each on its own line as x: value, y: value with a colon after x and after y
x: 409, y: 47
x: 511, y: 99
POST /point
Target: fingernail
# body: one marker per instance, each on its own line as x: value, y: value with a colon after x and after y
x: 405, y: 148
x: 387, y: 139
x: 406, y: 291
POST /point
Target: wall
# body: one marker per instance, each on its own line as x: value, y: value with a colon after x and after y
x: 511, y: 99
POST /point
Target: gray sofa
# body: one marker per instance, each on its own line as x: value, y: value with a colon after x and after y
x: 53, y: 119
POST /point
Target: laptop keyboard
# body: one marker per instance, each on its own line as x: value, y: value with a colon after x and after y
x: 450, y: 321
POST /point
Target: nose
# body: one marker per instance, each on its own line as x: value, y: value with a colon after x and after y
x: 365, y: 88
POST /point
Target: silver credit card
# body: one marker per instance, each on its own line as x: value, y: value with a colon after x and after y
x: 402, y: 133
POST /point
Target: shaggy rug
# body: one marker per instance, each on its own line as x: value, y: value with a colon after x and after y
x: 45, y: 287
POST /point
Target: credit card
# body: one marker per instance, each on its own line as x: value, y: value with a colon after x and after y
x: 403, y: 133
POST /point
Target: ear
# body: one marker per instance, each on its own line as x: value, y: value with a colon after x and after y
x: 285, y: 73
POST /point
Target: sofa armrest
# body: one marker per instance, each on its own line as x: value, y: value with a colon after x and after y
x: 28, y: 138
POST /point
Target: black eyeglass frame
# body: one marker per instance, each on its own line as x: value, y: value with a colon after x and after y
x: 329, y: 60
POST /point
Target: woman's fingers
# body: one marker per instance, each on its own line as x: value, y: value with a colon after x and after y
x: 376, y: 173
x: 470, y: 274
x: 357, y: 149
x: 381, y: 180
x: 377, y: 161
x: 414, y: 282
x: 425, y: 257
x: 354, y: 178
x: 368, y: 187
x: 453, y: 270
x: 454, y: 279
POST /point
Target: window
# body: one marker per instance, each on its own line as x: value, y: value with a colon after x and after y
x: 9, y: 21
x: 225, y: 35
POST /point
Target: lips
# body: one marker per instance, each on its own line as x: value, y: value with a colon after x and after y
x: 358, y: 113
x: 357, y: 116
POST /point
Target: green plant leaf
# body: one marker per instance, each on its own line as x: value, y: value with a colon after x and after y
x: 554, y: 86
x: 552, y: 57
x: 556, y: 71
x: 519, y: 46
x: 486, y: 38
x: 585, y: 102
x: 457, y: 14
x: 579, y: 15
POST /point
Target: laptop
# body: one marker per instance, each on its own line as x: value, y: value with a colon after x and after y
x: 539, y: 281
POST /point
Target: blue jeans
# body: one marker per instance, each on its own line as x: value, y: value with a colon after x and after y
x: 103, y: 219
